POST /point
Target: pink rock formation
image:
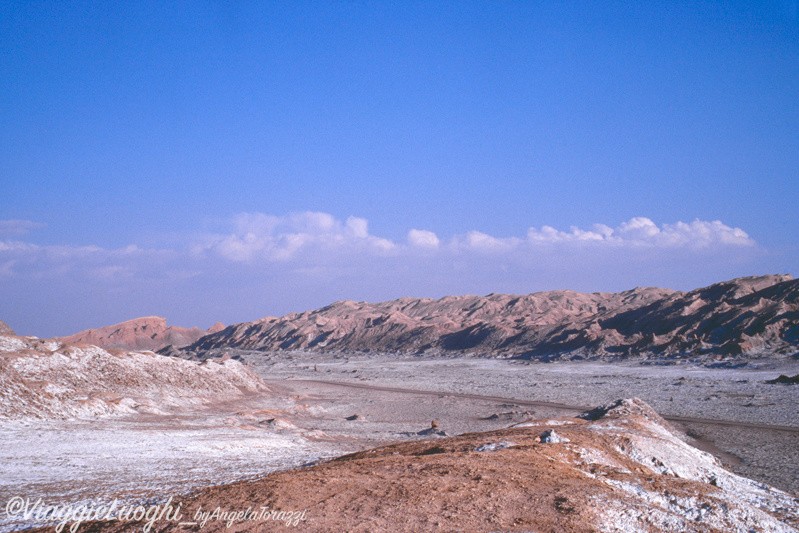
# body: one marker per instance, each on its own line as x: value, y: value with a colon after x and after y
x: 754, y: 315
x: 146, y: 333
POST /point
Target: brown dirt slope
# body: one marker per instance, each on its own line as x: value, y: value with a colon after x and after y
x: 752, y: 316
x: 627, y: 470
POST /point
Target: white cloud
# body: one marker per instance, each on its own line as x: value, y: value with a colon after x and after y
x: 358, y: 227
x: 264, y: 237
x: 637, y: 229
x: 641, y: 231
x: 311, y: 235
x: 482, y: 242
x: 312, y: 238
x: 548, y: 234
x: 263, y: 264
x: 423, y: 239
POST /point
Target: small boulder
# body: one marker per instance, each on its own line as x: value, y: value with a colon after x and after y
x: 550, y: 437
x: 433, y: 430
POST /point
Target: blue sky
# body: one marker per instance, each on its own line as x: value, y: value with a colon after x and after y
x: 208, y: 162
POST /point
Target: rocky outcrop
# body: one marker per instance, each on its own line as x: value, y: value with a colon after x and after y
x: 146, y: 333
x: 621, y: 470
x: 5, y: 329
x: 784, y: 380
x: 50, y: 379
x: 746, y: 316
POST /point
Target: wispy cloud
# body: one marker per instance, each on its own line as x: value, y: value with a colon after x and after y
x: 260, y: 264
x: 27, y: 260
x: 310, y: 239
x: 298, y: 236
x: 18, y: 228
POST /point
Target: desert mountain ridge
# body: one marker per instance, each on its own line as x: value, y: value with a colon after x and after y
x: 145, y: 333
x: 751, y: 316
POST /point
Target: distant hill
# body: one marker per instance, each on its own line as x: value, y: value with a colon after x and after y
x: 756, y: 315
x: 146, y: 333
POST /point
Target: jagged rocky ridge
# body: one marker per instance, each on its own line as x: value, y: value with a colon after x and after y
x: 750, y: 316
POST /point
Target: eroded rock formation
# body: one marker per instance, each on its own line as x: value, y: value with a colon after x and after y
x: 52, y: 379
x: 746, y: 316
x: 146, y: 333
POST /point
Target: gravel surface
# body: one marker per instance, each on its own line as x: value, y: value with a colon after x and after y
x: 739, y: 395
x: 758, y: 433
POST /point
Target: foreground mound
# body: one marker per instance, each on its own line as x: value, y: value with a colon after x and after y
x: 49, y: 379
x: 618, y: 468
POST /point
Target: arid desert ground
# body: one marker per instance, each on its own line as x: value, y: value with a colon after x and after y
x: 321, y: 406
